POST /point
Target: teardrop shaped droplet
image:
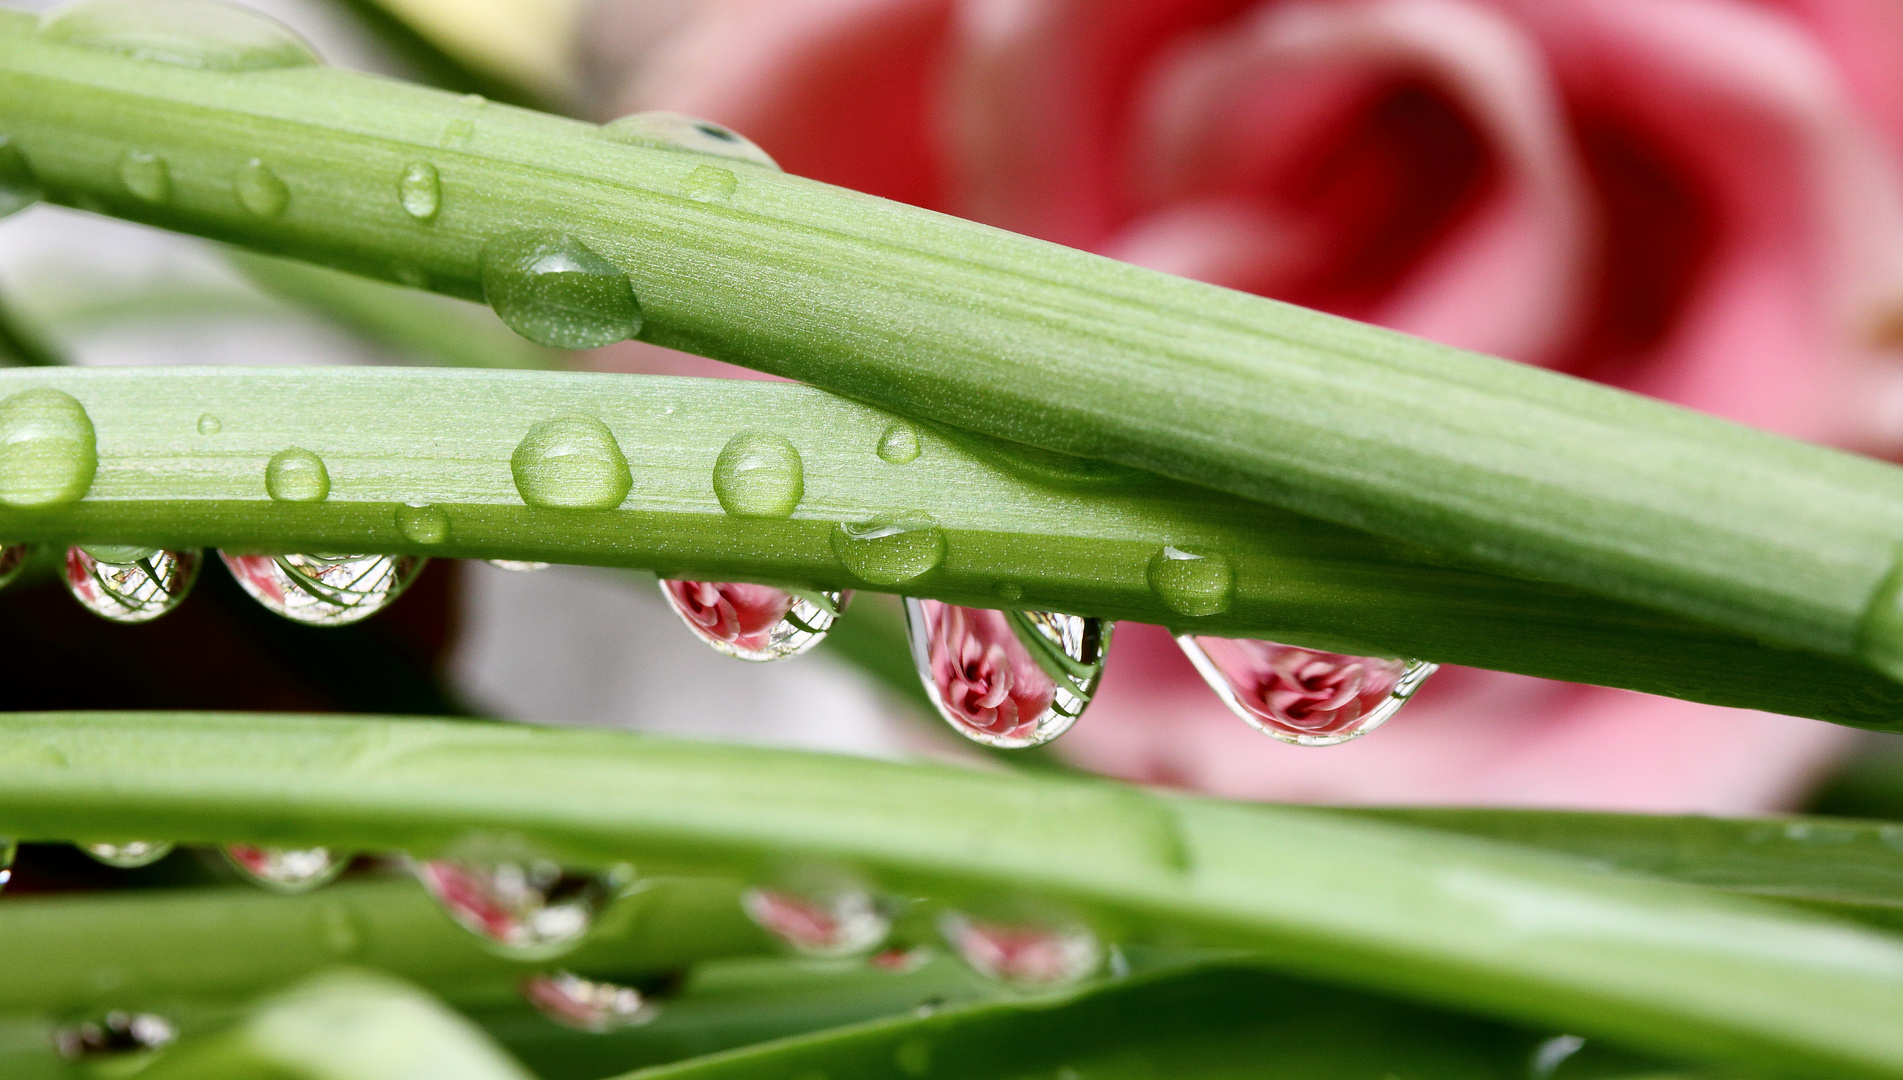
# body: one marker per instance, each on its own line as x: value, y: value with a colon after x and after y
x: 19, y: 187
x: 420, y: 191
x: 115, y: 1034
x: 48, y: 452
x: 286, y: 870
x: 754, y: 622
x: 587, y: 1005
x: 259, y: 190
x: 889, y: 549
x: 1192, y: 584
x: 130, y: 584
x: 325, y: 590
x: 296, y: 475
x: 129, y: 854
x: 899, y: 445
x: 674, y: 131
x: 146, y: 177
x: 1304, y: 696
x: 555, y: 290
x: 13, y: 559
x: 423, y: 522
x: 759, y: 475
x: 1006, y: 678
x: 517, y: 566
x: 845, y: 921
x: 189, y: 33
x: 530, y: 909
x: 1028, y: 954
x: 572, y: 462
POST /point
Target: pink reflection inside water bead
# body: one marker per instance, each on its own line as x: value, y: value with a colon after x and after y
x: 842, y: 924
x: 982, y: 677
x: 1027, y: 954
x: 752, y: 622
x: 1304, y: 696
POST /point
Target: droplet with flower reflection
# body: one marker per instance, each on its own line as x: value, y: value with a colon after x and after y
x: 13, y: 559
x: 754, y: 622
x: 1006, y: 678
x: 1026, y: 954
x: 1304, y: 696
x: 286, y: 870
x: 526, y: 908
x: 128, y: 854
x: 587, y: 1005
x: 113, y: 1035
x: 325, y: 590
x: 845, y: 921
x: 129, y: 584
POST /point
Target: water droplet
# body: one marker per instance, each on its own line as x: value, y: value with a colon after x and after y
x: 759, y: 475
x: 19, y: 188
x: 1191, y: 584
x: 841, y: 921
x: 129, y: 854
x: 420, y: 190
x: 324, y: 590
x: 686, y: 134
x: 754, y: 622
x: 1009, y: 590
x: 114, y: 1034
x: 296, y: 475
x: 890, y: 549
x: 913, y: 1057
x: 555, y: 290
x: 517, y: 566
x: 410, y: 274
x: 423, y: 522
x: 130, y: 584
x: 1880, y: 636
x: 286, y: 870
x: 709, y: 183
x: 1029, y: 954
x: 899, y: 445
x: 146, y: 177
x: 571, y: 462
x: 210, y: 425
x: 188, y: 33
x: 1549, y: 1055
x: 47, y: 449
x: 13, y: 559
x: 587, y: 1005
x: 530, y: 909
x: 1006, y: 678
x: 259, y: 189
x: 1304, y: 696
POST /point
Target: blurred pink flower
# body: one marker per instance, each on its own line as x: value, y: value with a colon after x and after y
x: 739, y: 614
x: 983, y: 674
x: 1696, y: 199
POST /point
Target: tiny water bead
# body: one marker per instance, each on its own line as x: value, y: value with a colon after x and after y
x: 1192, y: 584
x: 754, y: 622
x: 13, y: 559
x: 19, y: 187
x: 517, y: 566
x: 209, y: 425
x: 1006, y: 678
x: 1031, y: 955
x: 130, y: 584
x: 296, y: 475
x: 146, y: 177
x: 259, y: 190
x: 555, y: 290
x: 573, y: 463
x: 286, y: 870
x: 324, y: 590
x: 687, y: 134
x: 899, y: 445
x: 423, y: 522
x: 420, y: 191
x: 48, y: 452
x: 188, y: 33
x: 845, y: 921
x: 587, y: 1005
x: 529, y: 909
x: 112, y: 1035
x: 889, y: 549
x: 1304, y: 696
x: 759, y: 475
x: 128, y: 854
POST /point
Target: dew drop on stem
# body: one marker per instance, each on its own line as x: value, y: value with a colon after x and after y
x: 1192, y: 584
x: 324, y: 590
x: 754, y: 622
x: 1306, y: 697
x: 831, y: 919
x: 286, y: 870
x: 128, y: 854
x: 686, y: 134
x: 555, y: 290
x: 573, y: 463
x: 209, y: 425
x: 420, y: 191
x: 1031, y: 954
x: 759, y: 474
x: 899, y: 445
x: 296, y: 475
x: 205, y: 34
x: 19, y: 187
x: 1006, y: 678
x: 48, y: 452
x: 116, y: 1034
x: 586, y: 1004
x: 146, y: 177
x: 522, y: 907
x: 889, y: 549
x: 130, y: 584
x: 259, y: 190
x: 424, y: 523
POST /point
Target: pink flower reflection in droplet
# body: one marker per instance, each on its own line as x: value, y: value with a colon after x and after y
x: 735, y: 613
x: 1303, y: 692
x: 984, y: 677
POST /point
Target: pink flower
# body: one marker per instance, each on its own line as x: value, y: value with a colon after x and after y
x: 1695, y: 199
x: 739, y: 614
x: 983, y: 675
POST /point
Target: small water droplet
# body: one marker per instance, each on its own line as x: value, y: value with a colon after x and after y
x: 286, y: 870
x: 913, y: 1057
x: 296, y: 475
x: 189, y: 33
x: 572, y: 462
x: 129, y: 854
x: 146, y: 177
x: 889, y: 549
x: 710, y: 183
x: 759, y: 475
x: 1304, y: 696
x: 324, y: 590
x: 555, y: 290
x: 530, y: 909
x: 259, y: 189
x: 338, y: 930
x: 19, y: 187
x: 899, y: 445
x: 840, y: 921
x: 48, y: 453
x: 1006, y: 678
x: 686, y: 134
x: 420, y: 191
x: 423, y: 522
x: 130, y: 584
x: 114, y: 1034
x: 210, y: 425
x: 1009, y: 590
x: 1191, y: 584
x: 754, y: 622
x: 410, y: 274
x: 1030, y: 954
x: 13, y: 559
x: 1549, y: 1055
x: 587, y: 1005
x: 517, y: 566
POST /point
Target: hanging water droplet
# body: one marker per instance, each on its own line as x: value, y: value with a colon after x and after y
x: 48, y: 453
x: 19, y: 187
x: 890, y: 549
x: 324, y: 590
x: 286, y: 870
x: 572, y: 462
x: 1304, y: 696
x: 673, y: 131
x: 1191, y: 584
x: 587, y: 1005
x: 13, y: 559
x: 710, y: 183
x: 210, y: 425
x: 754, y: 622
x: 517, y: 566
x: 259, y: 190
x: 1006, y: 678
x: 759, y: 475
x: 420, y: 191
x: 146, y: 177
x: 899, y: 445
x: 555, y: 290
x: 530, y: 909
x: 423, y: 522
x: 115, y: 1034
x: 189, y: 33
x: 830, y: 922
x: 130, y: 584
x: 129, y: 854
x: 1030, y: 954
x: 296, y: 475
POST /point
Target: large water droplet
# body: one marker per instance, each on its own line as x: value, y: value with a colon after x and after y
x: 188, y: 33
x: 423, y: 522
x: 48, y: 453
x: 572, y: 462
x: 841, y: 921
x: 259, y: 190
x: 286, y: 870
x: 1304, y: 696
x: 115, y: 1034
x: 325, y: 590
x: 420, y: 191
x: 555, y: 290
x: 673, y: 131
x: 890, y: 549
x: 13, y: 559
x: 129, y: 854
x: 587, y: 1005
x: 759, y: 474
x: 517, y: 566
x: 1030, y: 954
x: 146, y: 177
x: 130, y: 584
x: 899, y: 445
x: 531, y: 909
x: 754, y: 622
x: 1191, y: 584
x: 296, y: 475
x: 1006, y: 678
x: 19, y: 187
